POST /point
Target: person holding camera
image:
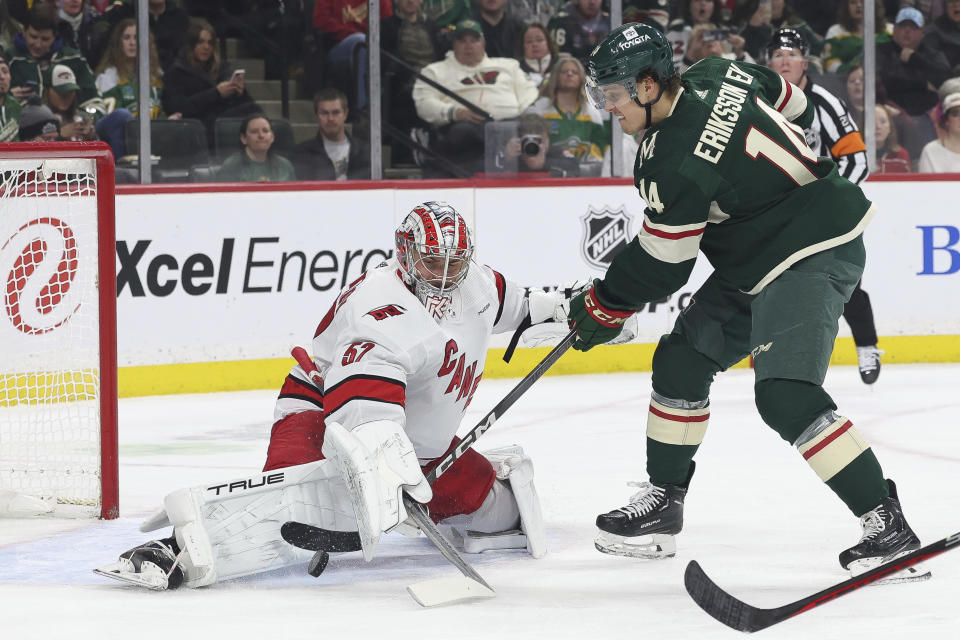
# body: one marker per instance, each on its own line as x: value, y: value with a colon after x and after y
x: 532, y: 152
x: 496, y: 85
x: 9, y: 107
x: 707, y: 40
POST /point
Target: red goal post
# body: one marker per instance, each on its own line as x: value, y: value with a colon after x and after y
x: 58, y: 331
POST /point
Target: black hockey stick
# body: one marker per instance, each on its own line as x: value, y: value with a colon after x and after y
x: 316, y: 539
x: 739, y: 615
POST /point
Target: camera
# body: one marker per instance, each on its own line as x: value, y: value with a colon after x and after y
x: 530, y: 145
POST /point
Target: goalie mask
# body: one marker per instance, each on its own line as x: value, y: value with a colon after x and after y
x: 434, y: 248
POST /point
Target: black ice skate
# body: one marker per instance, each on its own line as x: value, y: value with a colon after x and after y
x: 886, y: 536
x: 646, y: 527
x: 868, y: 359
x: 154, y: 565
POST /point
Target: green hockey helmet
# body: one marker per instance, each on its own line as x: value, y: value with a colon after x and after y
x: 621, y: 56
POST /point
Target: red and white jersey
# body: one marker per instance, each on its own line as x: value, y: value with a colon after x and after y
x: 384, y: 355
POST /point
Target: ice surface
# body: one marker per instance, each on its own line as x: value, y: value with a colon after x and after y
x: 757, y: 519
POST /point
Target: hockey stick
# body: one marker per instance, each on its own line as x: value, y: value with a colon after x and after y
x: 741, y: 616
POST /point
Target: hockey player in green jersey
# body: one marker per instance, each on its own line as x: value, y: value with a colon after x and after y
x: 725, y: 170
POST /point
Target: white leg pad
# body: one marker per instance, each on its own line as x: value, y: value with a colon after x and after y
x: 516, y: 468
x: 232, y: 529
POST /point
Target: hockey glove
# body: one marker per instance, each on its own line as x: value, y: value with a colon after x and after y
x: 594, y: 321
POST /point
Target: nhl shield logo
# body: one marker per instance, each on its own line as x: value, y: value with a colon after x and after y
x: 606, y: 232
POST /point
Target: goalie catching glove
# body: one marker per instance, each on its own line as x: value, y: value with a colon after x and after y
x: 595, y: 320
x: 377, y: 462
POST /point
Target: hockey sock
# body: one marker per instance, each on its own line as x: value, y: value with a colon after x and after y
x: 802, y: 413
x: 679, y: 409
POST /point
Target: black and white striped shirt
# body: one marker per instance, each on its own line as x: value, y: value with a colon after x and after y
x: 833, y: 133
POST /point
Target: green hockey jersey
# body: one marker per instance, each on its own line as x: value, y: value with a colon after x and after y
x: 728, y: 173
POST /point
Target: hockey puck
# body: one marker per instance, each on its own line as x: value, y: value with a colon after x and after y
x: 318, y: 563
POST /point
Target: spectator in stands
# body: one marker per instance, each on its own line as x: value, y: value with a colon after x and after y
x: 414, y: 39
x: 575, y: 125
x: 531, y: 151
x: 655, y: 13
x: 257, y: 161
x: 447, y: 13
x: 930, y: 9
x: 82, y: 28
x: 891, y: 157
x: 538, y: 55
x: 944, y: 35
x: 578, y: 27
x: 692, y: 13
x: 844, y: 40
x: 38, y: 49
x: 496, y: 85
x: 168, y: 24
x: 117, y: 74
x: 9, y: 107
x: 501, y: 29
x: 9, y: 28
x: 854, y: 97
x: 199, y: 85
x: 332, y: 155
x: 344, y: 23
x: 37, y: 122
x: 706, y: 40
x: 910, y: 70
x: 943, y: 155
x: 762, y: 19
x: 83, y: 123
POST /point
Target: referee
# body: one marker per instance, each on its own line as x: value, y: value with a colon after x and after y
x: 833, y: 133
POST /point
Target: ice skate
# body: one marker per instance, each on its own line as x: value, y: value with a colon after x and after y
x: 154, y: 565
x: 646, y: 527
x: 886, y: 536
x: 868, y: 359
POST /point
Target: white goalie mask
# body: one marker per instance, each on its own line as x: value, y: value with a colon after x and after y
x: 434, y: 249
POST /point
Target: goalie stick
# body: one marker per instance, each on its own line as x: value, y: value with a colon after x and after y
x: 741, y: 616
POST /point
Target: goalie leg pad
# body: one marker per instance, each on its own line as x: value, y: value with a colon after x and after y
x: 232, y: 529
x: 514, y: 470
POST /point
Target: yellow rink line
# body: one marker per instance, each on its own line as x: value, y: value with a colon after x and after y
x: 203, y: 377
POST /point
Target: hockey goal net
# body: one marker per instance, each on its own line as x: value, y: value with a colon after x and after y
x: 58, y: 387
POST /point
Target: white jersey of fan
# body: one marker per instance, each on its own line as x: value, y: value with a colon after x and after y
x: 384, y: 355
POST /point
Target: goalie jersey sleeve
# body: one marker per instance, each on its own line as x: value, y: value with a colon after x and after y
x: 728, y: 173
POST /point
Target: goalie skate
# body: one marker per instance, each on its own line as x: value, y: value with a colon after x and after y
x: 153, y: 566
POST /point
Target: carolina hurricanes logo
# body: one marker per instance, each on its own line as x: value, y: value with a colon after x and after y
x: 489, y: 77
x: 42, y: 260
x: 436, y: 306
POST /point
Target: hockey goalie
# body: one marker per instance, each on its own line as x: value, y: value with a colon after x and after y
x: 398, y: 358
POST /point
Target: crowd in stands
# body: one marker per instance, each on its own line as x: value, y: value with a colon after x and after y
x: 468, y: 86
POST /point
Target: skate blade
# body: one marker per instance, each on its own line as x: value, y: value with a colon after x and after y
x: 915, y: 573
x: 152, y: 581
x: 649, y: 547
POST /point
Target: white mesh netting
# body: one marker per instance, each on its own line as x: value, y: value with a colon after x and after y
x: 49, y: 333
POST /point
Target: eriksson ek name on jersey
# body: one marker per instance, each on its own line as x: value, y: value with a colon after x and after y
x: 723, y: 116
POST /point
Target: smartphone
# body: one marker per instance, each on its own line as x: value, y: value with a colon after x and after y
x: 239, y: 73
x: 712, y: 35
